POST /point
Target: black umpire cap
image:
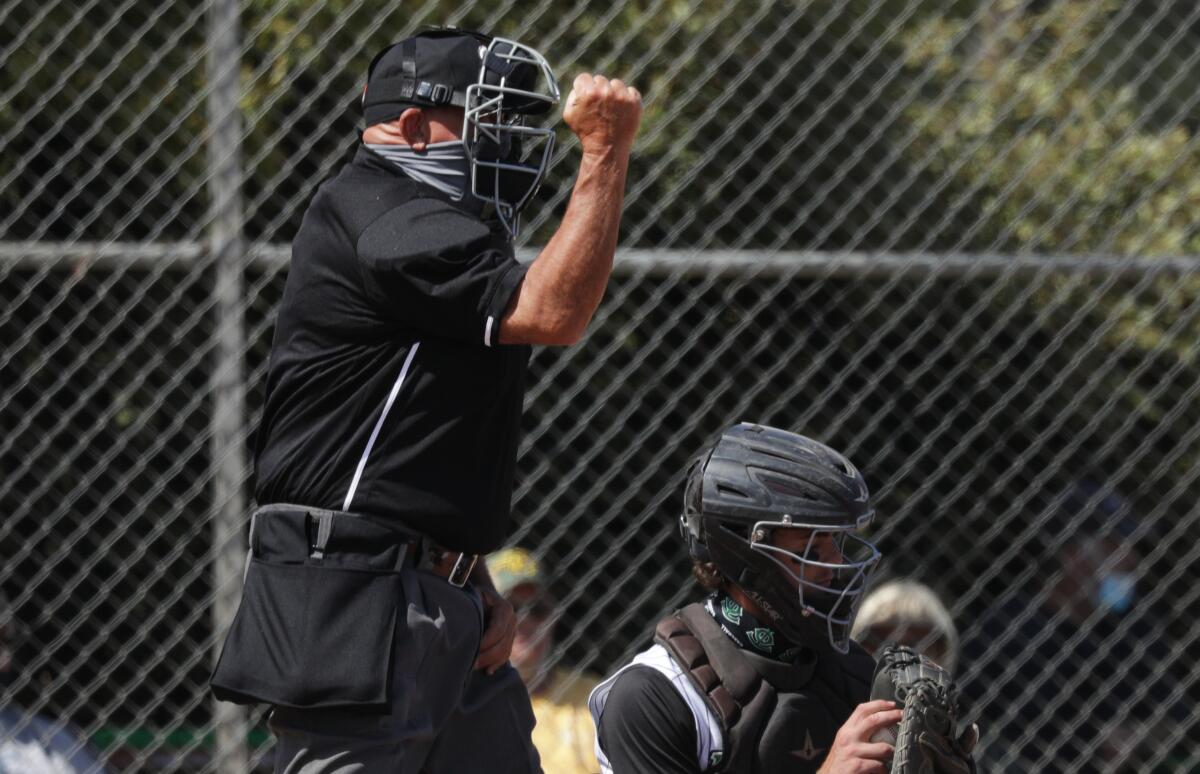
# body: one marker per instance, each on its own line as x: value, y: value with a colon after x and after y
x: 435, y: 68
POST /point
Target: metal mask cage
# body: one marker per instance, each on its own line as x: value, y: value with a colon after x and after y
x: 836, y: 601
x: 492, y: 119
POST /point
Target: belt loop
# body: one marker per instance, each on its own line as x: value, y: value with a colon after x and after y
x: 463, y: 566
x: 253, y: 521
x: 406, y: 551
x: 324, y: 529
x: 250, y: 553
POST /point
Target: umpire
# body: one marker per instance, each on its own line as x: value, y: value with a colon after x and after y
x: 385, y: 457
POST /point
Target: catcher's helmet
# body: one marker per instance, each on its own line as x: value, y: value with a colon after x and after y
x: 756, y: 480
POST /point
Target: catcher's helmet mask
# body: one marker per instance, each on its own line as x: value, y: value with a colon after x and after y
x: 758, y: 480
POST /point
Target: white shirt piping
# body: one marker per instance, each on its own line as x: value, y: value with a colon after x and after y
x: 709, y: 739
x: 362, y: 462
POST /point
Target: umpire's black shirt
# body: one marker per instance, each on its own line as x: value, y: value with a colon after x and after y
x: 388, y: 391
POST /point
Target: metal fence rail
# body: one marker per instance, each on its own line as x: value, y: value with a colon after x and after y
x: 952, y: 238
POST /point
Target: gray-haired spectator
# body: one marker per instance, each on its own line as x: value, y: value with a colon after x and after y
x: 906, y: 612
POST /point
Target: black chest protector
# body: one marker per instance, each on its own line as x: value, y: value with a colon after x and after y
x: 775, y: 717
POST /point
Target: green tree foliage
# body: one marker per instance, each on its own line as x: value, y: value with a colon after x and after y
x: 869, y: 124
x: 1056, y: 140
x: 1061, y: 129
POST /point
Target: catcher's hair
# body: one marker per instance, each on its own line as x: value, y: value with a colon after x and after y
x: 905, y: 602
x: 707, y: 575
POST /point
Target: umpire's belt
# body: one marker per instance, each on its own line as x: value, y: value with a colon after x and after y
x: 322, y: 605
x: 296, y: 533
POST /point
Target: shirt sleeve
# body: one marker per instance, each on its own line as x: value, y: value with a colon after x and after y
x: 646, y: 727
x: 432, y: 267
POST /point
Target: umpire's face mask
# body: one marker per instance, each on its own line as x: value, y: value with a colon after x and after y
x: 509, y: 156
x: 512, y: 180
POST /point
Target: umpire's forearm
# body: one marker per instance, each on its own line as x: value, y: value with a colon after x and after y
x: 575, y: 264
x: 566, y: 282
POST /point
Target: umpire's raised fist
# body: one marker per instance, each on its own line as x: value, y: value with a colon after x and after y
x: 604, y: 113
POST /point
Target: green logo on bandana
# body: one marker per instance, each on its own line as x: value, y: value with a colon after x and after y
x: 715, y: 757
x: 731, y: 610
x: 763, y: 639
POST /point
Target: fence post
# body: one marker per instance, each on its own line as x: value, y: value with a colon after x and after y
x: 228, y: 453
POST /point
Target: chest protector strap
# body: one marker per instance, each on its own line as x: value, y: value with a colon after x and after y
x: 733, y: 689
x: 774, y: 716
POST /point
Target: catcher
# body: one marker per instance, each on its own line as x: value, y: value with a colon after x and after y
x: 762, y: 676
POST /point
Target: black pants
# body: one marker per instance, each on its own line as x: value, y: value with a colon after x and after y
x: 444, y: 717
x: 366, y: 660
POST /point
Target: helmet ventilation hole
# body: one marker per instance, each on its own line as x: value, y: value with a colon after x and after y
x: 728, y: 490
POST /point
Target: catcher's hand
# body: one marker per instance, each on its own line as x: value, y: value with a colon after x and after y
x: 927, y: 740
x: 854, y: 749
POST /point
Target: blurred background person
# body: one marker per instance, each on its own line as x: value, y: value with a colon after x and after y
x: 31, y: 743
x: 1072, y: 671
x: 564, y: 734
x: 907, y: 612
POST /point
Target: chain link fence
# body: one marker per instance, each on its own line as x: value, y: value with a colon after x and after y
x: 955, y: 239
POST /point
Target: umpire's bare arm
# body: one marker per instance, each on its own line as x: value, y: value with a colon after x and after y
x: 566, y: 282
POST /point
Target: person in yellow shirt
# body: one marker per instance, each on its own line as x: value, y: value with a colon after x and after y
x: 564, y: 735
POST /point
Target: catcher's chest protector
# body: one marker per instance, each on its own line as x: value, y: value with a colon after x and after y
x: 774, y: 717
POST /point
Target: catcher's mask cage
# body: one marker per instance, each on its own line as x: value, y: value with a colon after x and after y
x: 758, y: 481
x: 837, y: 599
x: 509, y: 159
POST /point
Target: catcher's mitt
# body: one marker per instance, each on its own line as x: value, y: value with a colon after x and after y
x: 927, y: 741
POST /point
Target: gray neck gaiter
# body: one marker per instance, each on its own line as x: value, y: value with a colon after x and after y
x: 443, y: 165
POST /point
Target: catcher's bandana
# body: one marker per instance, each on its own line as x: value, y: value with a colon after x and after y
x: 744, y: 629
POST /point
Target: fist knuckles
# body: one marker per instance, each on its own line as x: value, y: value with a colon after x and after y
x: 603, y: 111
x: 587, y: 85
